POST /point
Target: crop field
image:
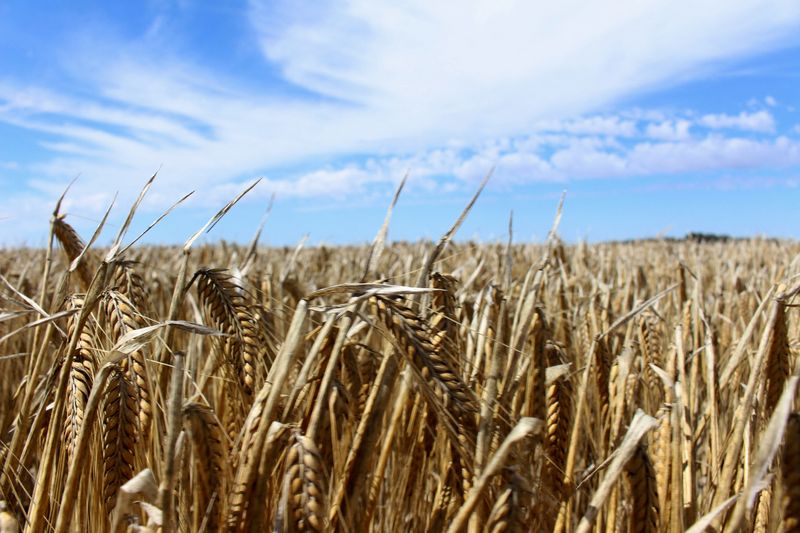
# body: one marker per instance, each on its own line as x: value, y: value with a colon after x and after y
x: 450, y: 386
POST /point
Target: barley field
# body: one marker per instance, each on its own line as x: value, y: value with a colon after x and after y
x: 450, y: 386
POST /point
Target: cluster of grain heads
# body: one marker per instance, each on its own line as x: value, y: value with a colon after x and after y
x: 119, y: 434
x: 644, y: 386
x: 303, y: 498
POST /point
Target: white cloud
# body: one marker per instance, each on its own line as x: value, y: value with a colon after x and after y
x: 669, y: 130
x: 759, y: 121
x: 593, y: 125
x: 577, y: 162
x: 559, y: 159
x: 499, y: 65
x: 713, y: 153
x: 509, y: 169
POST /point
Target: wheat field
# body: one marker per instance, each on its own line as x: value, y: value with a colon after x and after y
x: 642, y: 386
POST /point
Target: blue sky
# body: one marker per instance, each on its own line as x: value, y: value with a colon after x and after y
x: 656, y: 117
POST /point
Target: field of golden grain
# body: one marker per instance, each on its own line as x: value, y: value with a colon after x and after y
x: 646, y: 386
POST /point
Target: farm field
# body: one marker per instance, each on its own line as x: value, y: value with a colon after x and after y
x: 373, y: 266
x: 641, y: 386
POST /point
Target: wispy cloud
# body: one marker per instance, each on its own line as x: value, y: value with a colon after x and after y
x: 460, y: 64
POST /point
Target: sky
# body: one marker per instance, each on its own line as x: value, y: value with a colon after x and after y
x: 656, y: 117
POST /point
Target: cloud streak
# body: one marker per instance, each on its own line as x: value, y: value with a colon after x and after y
x: 457, y: 60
